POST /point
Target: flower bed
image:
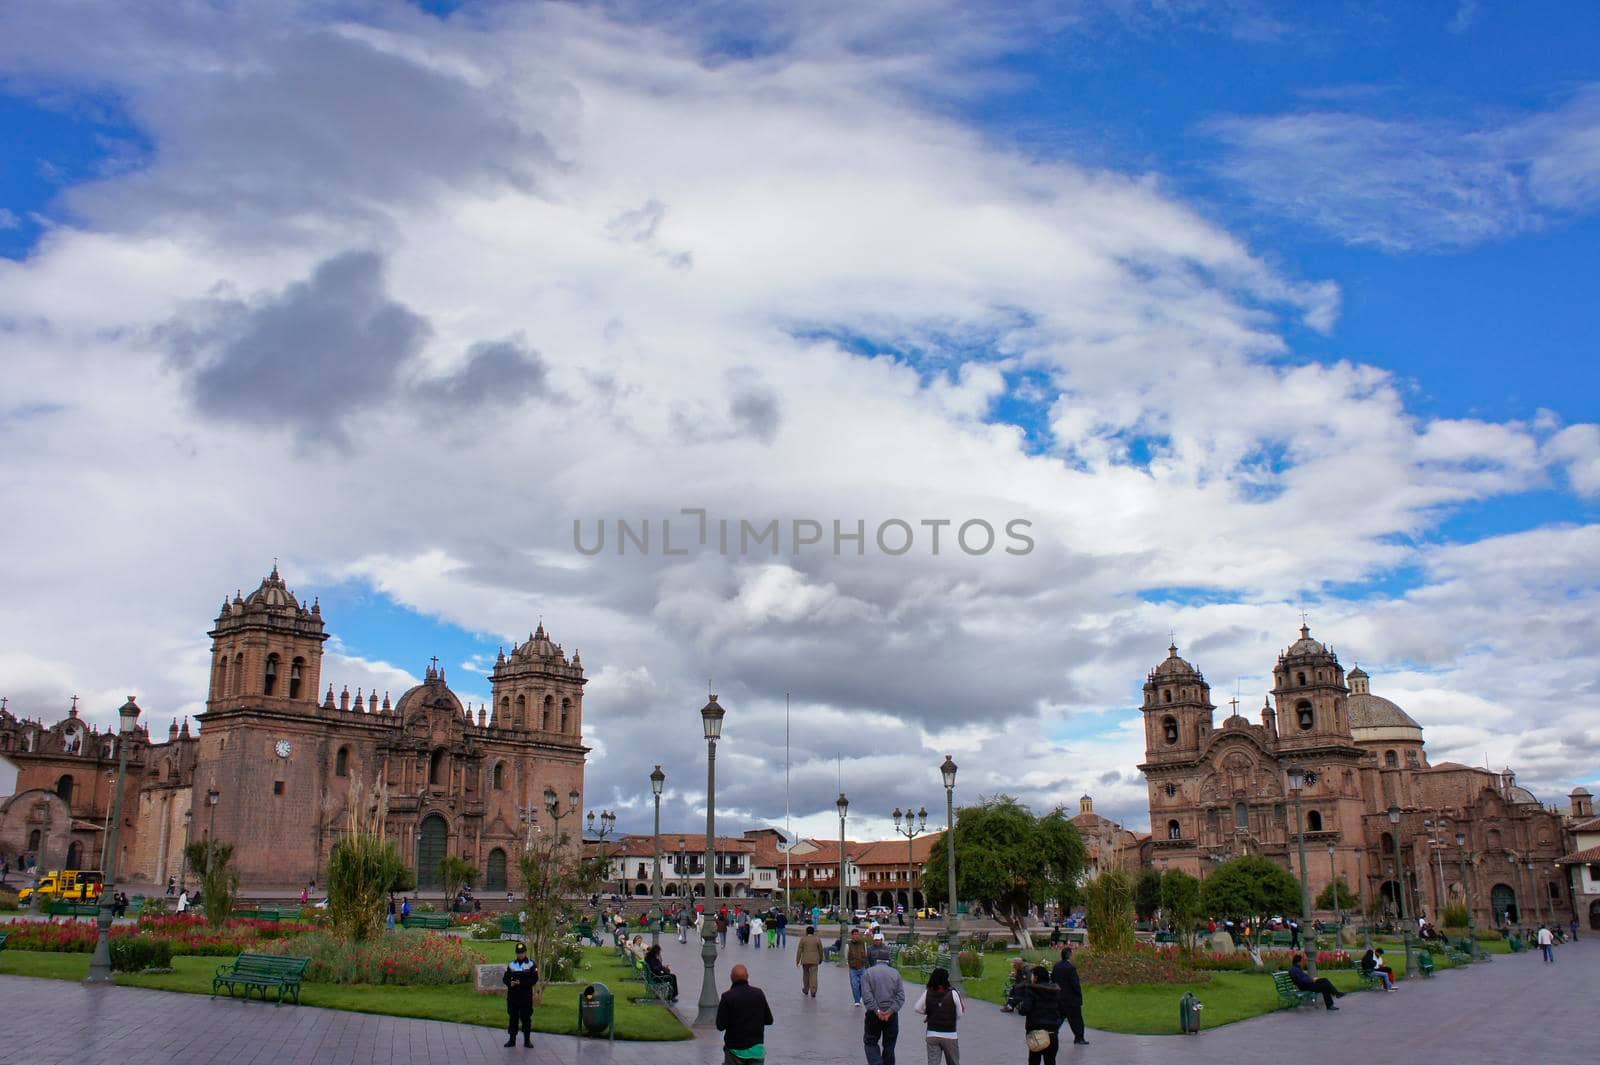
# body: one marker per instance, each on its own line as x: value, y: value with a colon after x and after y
x: 184, y: 935
x: 407, y: 956
x: 1142, y: 965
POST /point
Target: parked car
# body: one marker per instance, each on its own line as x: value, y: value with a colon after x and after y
x: 859, y: 917
x: 879, y: 913
x: 928, y: 913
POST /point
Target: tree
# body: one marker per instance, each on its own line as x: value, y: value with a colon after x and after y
x: 1346, y: 901
x: 1250, y: 888
x: 801, y: 898
x: 1180, y: 894
x: 456, y: 873
x: 1147, y: 894
x: 364, y: 866
x: 551, y: 873
x: 219, y: 884
x: 1108, y: 911
x: 1008, y: 861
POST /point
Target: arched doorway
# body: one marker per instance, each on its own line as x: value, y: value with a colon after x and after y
x: 641, y: 890
x: 1504, y: 901
x: 74, y: 855
x: 1594, y: 916
x: 495, y: 876
x: 432, y: 836
x: 64, y: 789
x: 1389, y: 892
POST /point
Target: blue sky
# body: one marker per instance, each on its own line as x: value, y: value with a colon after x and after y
x: 1252, y: 307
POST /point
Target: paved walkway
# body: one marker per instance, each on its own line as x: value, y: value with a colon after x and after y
x: 1514, y: 1007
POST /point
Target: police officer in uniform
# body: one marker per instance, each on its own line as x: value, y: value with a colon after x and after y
x: 519, y: 978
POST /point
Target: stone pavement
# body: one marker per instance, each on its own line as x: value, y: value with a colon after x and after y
x: 1513, y: 1007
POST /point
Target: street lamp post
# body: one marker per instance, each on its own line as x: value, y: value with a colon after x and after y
x: 952, y: 932
x: 100, y: 964
x: 529, y: 815
x: 911, y: 831
x: 1297, y: 780
x: 608, y: 825
x: 183, y: 863
x: 711, y: 720
x: 1366, y: 913
x: 658, y: 780
x: 1533, y: 886
x: 1466, y: 890
x: 1338, y: 903
x: 1400, y: 862
x: 843, y: 806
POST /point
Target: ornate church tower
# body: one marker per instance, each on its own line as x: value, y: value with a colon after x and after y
x: 1308, y: 684
x: 537, y: 690
x: 1177, y: 711
x: 266, y: 650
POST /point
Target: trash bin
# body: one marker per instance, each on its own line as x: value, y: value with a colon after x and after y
x: 1189, y: 1014
x: 597, y: 1011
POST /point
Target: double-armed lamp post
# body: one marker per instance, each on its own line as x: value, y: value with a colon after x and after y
x: 1297, y: 781
x: 911, y: 831
x: 843, y: 806
x: 658, y: 780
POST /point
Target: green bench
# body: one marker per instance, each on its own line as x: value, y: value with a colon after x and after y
x: 1164, y: 937
x: 3, y: 936
x: 940, y: 961
x: 262, y: 971
x: 510, y: 925
x: 427, y: 920
x: 660, y: 990
x: 586, y: 931
x: 1290, y: 996
x: 1425, y: 964
x: 73, y: 909
x: 1280, y: 939
x: 1368, y: 979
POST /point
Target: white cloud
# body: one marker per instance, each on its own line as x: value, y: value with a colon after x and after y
x: 700, y: 354
x: 1407, y: 184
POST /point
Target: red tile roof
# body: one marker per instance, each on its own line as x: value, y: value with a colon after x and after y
x: 1583, y: 857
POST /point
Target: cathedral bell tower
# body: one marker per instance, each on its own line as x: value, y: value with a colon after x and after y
x: 1308, y: 685
x: 266, y: 648
x: 1177, y: 711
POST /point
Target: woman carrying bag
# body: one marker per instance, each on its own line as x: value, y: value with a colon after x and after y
x: 1041, y: 1009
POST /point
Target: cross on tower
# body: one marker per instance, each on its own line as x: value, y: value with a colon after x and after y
x: 1303, y: 617
x: 74, y: 703
x: 1234, y: 702
x: 435, y: 661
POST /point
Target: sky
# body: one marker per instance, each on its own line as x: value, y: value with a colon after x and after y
x: 1213, y: 313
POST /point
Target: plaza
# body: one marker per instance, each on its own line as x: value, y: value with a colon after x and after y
x: 1514, y: 1005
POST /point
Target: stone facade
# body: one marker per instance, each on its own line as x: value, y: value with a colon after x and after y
x: 1217, y: 792
x: 272, y: 768
x: 1106, y: 844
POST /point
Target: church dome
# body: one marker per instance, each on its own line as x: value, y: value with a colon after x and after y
x: 1173, y: 664
x: 431, y: 692
x: 1305, y: 645
x: 273, y: 594
x: 1374, y: 711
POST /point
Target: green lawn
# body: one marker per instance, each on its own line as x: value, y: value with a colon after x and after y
x: 1151, y: 1009
x: 458, y: 1002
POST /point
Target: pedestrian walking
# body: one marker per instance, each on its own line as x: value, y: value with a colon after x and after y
x: 172, y: 884
x: 1041, y: 1009
x: 1547, y: 944
x: 856, y: 958
x: 742, y: 1018
x: 405, y: 909
x: 1065, y: 976
x: 685, y: 922
x: 781, y: 922
x: 519, y: 978
x: 758, y: 929
x: 1574, y: 926
x: 722, y: 928
x: 808, y: 955
x: 942, y: 1006
x: 389, y: 918
x: 883, y: 993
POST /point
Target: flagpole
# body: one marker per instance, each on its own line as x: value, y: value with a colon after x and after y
x: 788, y: 868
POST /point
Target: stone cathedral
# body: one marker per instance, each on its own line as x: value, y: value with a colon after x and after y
x: 277, y: 753
x: 1221, y: 791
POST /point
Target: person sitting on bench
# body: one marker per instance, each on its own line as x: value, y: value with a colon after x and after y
x: 658, y: 970
x: 1301, y: 979
x: 1372, y: 962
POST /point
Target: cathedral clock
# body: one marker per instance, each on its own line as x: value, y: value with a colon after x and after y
x: 283, y: 747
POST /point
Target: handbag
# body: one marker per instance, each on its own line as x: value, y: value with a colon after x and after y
x: 1038, y: 1039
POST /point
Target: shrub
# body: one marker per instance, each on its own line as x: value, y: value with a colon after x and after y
x: 136, y: 953
x: 488, y: 928
x: 363, y: 867
x: 565, y: 962
x: 1140, y: 965
x: 971, y: 964
x: 152, y: 905
x: 406, y: 957
x: 1455, y: 915
x: 1108, y: 911
x: 922, y: 952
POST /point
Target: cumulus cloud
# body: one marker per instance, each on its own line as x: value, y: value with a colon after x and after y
x: 1403, y: 184
x: 874, y: 288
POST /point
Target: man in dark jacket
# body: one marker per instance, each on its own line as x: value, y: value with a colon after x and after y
x: 742, y: 1018
x: 1065, y: 977
x: 1302, y: 979
x: 519, y: 978
x: 1041, y: 1008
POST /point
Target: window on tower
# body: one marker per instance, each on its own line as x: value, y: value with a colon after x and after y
x: 341, y: 762
x: 269, y: 681
x: 1241, y: 815
x: 1169, y: 729
x: 436, y: 767
x: 1313, y: 821
x: 1302, y: 677
x: 566, y: 711
x: 1391, y: 759
x: 297, y: 672
x: 1304, y: 715
x: 1166, y: 695
x: 549, y: 709
x: 499, y: 778
x: 1174, y: 830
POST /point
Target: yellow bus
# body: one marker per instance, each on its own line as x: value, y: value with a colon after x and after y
x: 74, y: 885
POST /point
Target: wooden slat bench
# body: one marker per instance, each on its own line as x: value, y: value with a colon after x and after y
x: 586, y: 931
x: 73, y: 909
x: 1425, y: 963
x: 940, y: 961
x: 3, y: 936
x: 1368, y: 979
x: 660, y: 990
x: 1289, y: 995
x: 262, y: 971
x: 427, y: 920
